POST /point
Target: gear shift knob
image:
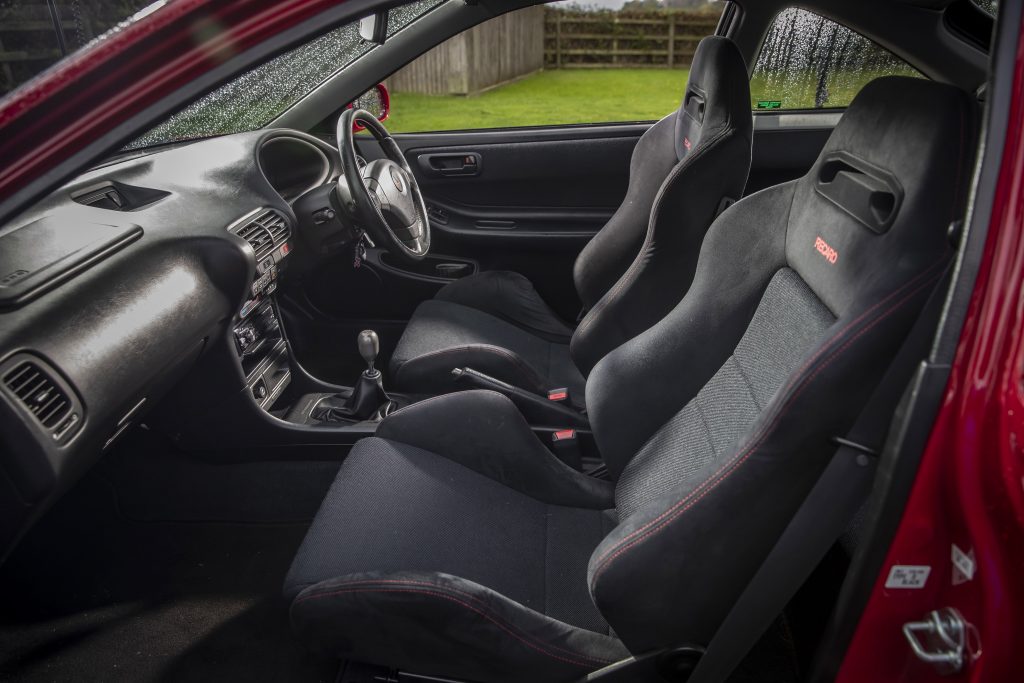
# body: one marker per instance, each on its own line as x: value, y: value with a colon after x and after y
x: 369, y: 346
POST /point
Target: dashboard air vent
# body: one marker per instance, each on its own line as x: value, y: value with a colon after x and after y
x: 265, y: 233
x: 47, y: 399
x: 104, y: 198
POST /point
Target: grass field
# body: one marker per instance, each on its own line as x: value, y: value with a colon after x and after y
x: 594, y: 96
x: 546, y: 98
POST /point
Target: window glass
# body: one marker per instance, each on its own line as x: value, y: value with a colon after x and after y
x: 257, y: 97
x: 36, y: 35
x: 988, y: 6
x: 564, y: 63
x: 809, y: 62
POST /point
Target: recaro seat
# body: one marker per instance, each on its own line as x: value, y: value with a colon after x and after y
x: 454, y: 543
x: 681, y: 170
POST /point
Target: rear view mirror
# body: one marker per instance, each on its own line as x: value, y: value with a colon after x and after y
x: 374, y: 28
x: 376, y: 100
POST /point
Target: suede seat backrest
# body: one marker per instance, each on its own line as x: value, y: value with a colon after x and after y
x: 717, y: 420
x: 713, y: 99
x: 712, y: 136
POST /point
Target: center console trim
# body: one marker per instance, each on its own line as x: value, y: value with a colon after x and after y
x: 276, y: 356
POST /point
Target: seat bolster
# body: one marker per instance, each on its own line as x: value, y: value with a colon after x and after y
x: 433, y: 624
x: 511, y: 297
x: 664, y: 266
x: 608, y: 254
x: 485, y: 432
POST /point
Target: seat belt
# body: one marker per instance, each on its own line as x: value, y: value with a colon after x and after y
x: 825, y: 514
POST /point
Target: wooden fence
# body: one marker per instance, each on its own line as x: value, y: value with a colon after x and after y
x: 522, y: 42
x: 602, y: 40
x: 492, y: 53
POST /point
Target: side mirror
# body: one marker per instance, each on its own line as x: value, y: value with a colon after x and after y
x: 374, y: 28
x: 376, y: 100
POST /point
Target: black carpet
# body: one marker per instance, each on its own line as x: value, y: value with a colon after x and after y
x: 93, y: 594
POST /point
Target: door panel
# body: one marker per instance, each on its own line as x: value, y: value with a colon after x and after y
x: 523, y: 199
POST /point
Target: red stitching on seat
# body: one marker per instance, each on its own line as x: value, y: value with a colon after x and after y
x: 437, y: 591
x: 671, y: 514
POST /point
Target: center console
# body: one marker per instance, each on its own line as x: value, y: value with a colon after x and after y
x: 266, y: 361
x: 262, y: 400
x: 263, y: 353
x: 249, y: 395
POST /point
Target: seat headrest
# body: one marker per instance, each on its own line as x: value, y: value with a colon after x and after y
x: 717, y: 96
x: 876, y: 205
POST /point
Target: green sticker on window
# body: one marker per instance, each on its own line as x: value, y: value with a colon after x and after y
x: 769, y: 104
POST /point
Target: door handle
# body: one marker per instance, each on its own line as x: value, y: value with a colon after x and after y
x: 451, y: 164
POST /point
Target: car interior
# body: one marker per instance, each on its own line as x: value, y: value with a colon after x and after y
x: 315, y: 401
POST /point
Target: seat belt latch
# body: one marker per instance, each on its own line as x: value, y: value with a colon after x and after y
x: 567, y: 447
x: 559, y: 395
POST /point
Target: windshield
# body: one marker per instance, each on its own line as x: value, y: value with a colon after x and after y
x: 257, y: 97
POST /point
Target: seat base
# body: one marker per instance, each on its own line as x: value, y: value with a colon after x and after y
x: 493, y: 322
x: 434, y: 564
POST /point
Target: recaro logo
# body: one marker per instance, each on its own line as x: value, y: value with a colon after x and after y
x: 830, y: 254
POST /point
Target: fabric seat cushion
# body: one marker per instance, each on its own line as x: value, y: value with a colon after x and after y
x: 510, y: 296
x: 418, y: 562
x: 443, y: 335
x: 788, y: 322
x: 395, y: 507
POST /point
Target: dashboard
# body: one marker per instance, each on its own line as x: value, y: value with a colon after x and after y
x: 113, y: 287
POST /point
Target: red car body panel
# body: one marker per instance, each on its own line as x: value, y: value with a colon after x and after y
x: 969, y: 490
x: 969, y: 487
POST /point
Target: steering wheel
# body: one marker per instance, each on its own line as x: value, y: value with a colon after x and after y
x: 384, y: 194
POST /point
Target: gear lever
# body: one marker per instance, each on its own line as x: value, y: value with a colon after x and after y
x: 368, y: 394
x: 369, y: 347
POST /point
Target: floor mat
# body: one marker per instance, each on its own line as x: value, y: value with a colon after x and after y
x: 91, y: 595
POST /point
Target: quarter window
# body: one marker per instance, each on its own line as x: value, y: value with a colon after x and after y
x: 810, y: 62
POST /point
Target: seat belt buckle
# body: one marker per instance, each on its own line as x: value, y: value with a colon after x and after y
x: 567, y: 447
x: 560, y: 395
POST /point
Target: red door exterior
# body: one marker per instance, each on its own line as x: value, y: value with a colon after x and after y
x: 969, y: 491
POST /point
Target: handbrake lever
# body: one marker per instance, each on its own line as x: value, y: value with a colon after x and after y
x: 537, y: 410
